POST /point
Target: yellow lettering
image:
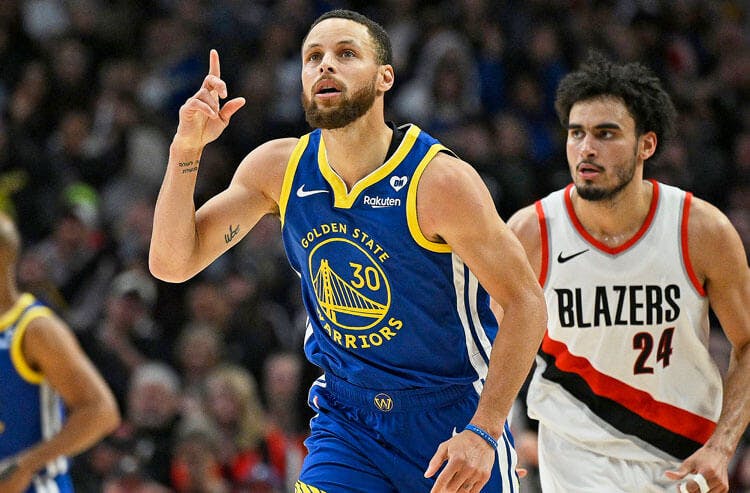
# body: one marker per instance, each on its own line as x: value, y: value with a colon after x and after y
x: 337, y: 337
x: 384, y: 257
x: 327, y: 327
x: 316, y: 232
x: 350, y: 341
x: 387, y: 333
x: 355, y: 233
x: 395, y: 323
x: 326, y: 228
x: 370, y: 244
x: 365, y: 344
x: 375, y: 339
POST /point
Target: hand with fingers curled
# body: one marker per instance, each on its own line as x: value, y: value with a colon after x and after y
x: 468, y: 462
x: 703, y: 472
x: 202, y: 117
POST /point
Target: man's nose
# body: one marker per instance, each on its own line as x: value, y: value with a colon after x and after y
x: 587, y: 146
x: 327, y: 64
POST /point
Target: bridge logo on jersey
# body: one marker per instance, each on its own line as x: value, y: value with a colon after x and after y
x: 383, y: 402
x: 350, y: 286
x: 351, y: 290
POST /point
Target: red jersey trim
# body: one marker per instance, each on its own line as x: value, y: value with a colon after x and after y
x: 667, y: 416
x: 598, y: 244
x: 544, y: 242
x: 684, y: 245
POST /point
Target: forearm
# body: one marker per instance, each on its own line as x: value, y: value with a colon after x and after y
x: 84, y: 427
x: 735, y: 412
x: 174, y: 240
x: 513, y: 351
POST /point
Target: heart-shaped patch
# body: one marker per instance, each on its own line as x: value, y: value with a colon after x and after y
x: 398, y: 182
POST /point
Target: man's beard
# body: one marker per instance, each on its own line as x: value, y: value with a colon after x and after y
x: 596, y: 194
x: 348, y: 110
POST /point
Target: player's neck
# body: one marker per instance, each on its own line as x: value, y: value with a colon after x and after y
x: 359, y: 148
x: 615, y: 221
x: 8, y: 296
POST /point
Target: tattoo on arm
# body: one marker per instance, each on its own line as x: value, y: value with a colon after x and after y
x: 188, y: 166
x: 232, y: 233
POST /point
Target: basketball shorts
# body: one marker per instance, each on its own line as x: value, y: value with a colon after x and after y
x: 368, y: 441
x: 565, y: 466
x: 43, y: 484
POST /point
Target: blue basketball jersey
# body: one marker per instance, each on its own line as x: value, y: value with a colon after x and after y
x: 388, y: 308
x: 30, y: 411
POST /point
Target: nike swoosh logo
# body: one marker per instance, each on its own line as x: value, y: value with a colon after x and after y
x: 562, y: 259
x: 301, y: 192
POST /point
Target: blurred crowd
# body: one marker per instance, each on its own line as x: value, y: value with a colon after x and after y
x: 210, y: 374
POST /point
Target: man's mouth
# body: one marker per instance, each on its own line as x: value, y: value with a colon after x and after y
x: 589, y: 170
x: 327, y: 88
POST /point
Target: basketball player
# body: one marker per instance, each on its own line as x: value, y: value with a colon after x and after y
x: 398, y: 244
x: 627, y: 395
x: 53, y: 402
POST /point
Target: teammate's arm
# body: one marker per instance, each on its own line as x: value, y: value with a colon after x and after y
x: 720, y: 262
x: 184, y: 241
x: 50, y: 349
x: 455, y: 206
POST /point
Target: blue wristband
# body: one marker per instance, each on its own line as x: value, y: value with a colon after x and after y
x: 486, y: 436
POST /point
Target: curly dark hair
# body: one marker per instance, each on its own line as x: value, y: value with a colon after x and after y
x: 380, y: 37
x: 639, y: 89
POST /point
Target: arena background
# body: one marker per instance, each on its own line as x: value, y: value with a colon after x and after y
x: 210, y: 372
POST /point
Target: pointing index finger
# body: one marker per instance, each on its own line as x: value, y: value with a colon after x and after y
x: 213, y: 63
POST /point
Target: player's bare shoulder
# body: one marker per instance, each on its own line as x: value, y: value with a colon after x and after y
x: 448, y: 181
x: 264, y: 166
x: 525, y: 225
x: 712, y: 238
x: 449, y: 191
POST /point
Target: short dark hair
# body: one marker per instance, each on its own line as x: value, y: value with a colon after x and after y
x: 637, y: 86
x: 383, y: 50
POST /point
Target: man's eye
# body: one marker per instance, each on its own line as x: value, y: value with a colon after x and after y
x: 313, y: 57
x: 348, y: 53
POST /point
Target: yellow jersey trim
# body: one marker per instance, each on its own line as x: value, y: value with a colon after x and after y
x: 291, y: 169
x: 7, y: 318
x: 411, y: 205
x: 301, y: 487
x: 344, y: 199
x: 16, y: 355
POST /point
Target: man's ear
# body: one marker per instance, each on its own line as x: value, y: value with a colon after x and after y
x: 647, y: 145
x: 386, y: 79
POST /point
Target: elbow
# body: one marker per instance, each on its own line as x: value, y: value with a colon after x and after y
x: 110, y: 414
x: 164, y: 271
x: 112, y: 419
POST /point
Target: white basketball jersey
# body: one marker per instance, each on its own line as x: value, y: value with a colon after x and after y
x: 624, y: 368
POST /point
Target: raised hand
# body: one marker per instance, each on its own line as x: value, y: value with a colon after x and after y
x: 202, y: 118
